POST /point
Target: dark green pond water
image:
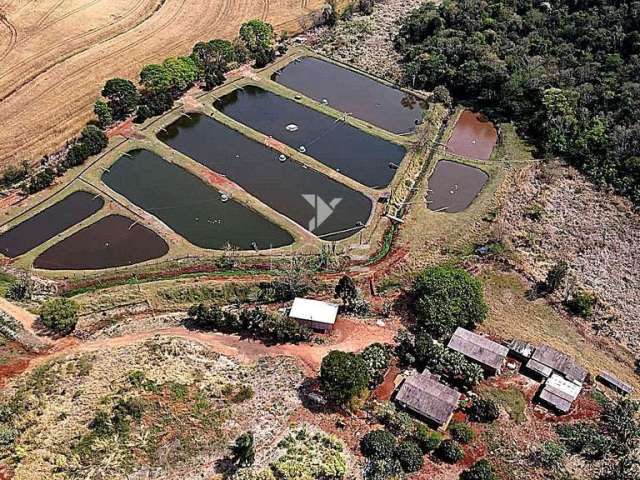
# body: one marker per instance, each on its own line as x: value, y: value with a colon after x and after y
x: 357, y: 154
x: 50, y: 222
x: 348, y: 91
x: 302, y: 194
x: 190, y: 207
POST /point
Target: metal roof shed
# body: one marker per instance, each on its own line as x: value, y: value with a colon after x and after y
x: 314, y: 313
x: 486, y: 352
x: 560, y: 362
x: 560, y: 393
x: 615, y: 383
x: 424, y: 395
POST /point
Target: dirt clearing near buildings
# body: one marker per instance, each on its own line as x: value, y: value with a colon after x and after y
x: 56, y: 55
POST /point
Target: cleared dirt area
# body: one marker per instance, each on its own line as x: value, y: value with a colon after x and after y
x: 56, y: 54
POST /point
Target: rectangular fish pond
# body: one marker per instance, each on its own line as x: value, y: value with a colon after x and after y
x: 366, y: 158
x: 453, y: 186
x: 48, y: 223
x: 314, y: 201
x: 474, y: 136
x: 348, y: 91
x: 112, y: 241
x: 190, y: 207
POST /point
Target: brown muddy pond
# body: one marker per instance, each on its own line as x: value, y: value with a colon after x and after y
x: 363, y: 97
x: 474, y: 136
x: 48, y: 223
x: 112, y: 241
x: 453, y: 186
x: 366, y: 158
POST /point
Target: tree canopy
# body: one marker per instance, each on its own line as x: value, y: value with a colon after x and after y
x: 566, y: 72
x: 447, y: 298
x: 343, y: 376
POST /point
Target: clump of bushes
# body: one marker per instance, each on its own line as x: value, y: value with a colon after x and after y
x: 481, y: 470
x: 450, y: 451
x: 352, y: 300
x: 422, y: 352
x: 461, y: 432
x: 376, y: 358
x: 428, y: 440
x: 256, y: 322
x: 60, y: 315
x: 386, y: 457
x: 483, y: 410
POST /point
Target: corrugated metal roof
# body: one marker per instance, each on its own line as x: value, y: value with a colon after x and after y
x: 615, y: 382
x: 522, y: 348
x: 478, y: 348
x: 560, y: 362
x: 314, y: 311
x: 423, y: 394
x: 537, y: 367
x: 560, y: 393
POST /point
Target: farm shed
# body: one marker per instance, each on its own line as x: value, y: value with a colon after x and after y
x: 314, y: 314
x: 615, y: 383
x: 539, y: 369
x: 487, y: 353
x: 431, y: 400
x: 560, y: 363
x: 560, y: 393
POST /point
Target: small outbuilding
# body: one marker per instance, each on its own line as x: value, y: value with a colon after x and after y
x: 489, y: 354
x: 314, y: 314
x: 425, y: 396
x: 559, y: 362
x: 521, y: 350
x: 615, y: 383
x: 560, y: 393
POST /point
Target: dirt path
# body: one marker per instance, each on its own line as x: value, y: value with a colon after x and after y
x: 26, y: 318
x: 350, y: 336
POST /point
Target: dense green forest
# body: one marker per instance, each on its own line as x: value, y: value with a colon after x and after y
x: 567, y: 72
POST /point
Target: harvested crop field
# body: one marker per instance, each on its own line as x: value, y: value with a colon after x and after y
x: 57, y: 54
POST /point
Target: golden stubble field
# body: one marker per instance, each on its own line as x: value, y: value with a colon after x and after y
x: 56, y: 54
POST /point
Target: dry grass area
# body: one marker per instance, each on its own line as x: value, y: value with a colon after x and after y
x: 555, y: 214
x: 367, y: 41
x: 164, y: 407
x: 56, y: 54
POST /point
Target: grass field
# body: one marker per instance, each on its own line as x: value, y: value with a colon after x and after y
x: 56, y: 54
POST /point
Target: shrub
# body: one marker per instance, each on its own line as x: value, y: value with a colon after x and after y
x: 555, y: 276
x: 384, y: 469
x: 14, y: 173
x: 376, y: 357
x: 103, y: 114
x: 427, y: 439
x: 461, y: 432
x: 551, y: 455
x: 18, y: 290
x: 483, y: 410
x: 481, y: 470
x: 450, y: 451
x: 409, y: 455
x: 243, y: 450
x: 584, y: 438
x: 447, y: 298
x: 40, y: 181
x: 343, y: 376
x: 582, y: 303
x: 378, y: 445
x: 620, y: 421
x: 60, y: 315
